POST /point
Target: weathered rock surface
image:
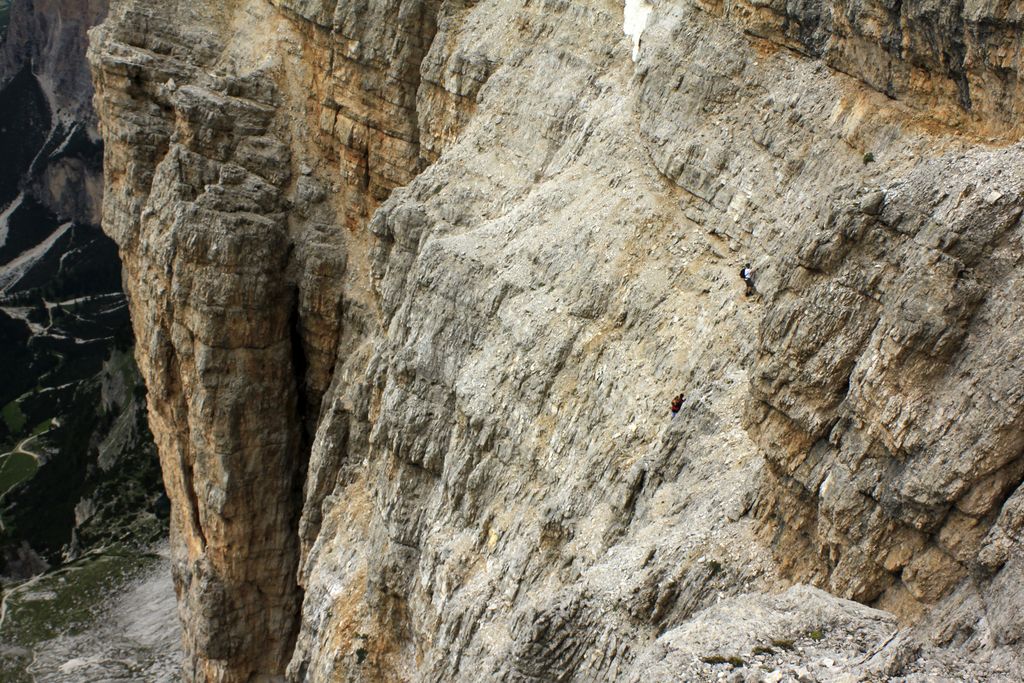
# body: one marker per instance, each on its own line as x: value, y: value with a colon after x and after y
x: 960, y: 61
x: 803, y: 634
x: 414, y: 281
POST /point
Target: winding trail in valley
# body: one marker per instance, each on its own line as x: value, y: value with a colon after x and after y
x: 22, y: 449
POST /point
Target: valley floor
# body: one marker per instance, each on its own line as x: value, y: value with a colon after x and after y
x: 109, y: 616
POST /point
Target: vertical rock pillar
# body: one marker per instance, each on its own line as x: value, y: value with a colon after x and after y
x: 195, y: 174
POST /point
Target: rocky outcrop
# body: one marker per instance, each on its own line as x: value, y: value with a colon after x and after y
x: 886, y: 378
x: 414, y: 281
x: 958, y: 61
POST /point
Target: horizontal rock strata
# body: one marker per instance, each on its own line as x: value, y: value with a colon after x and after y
x: 414, y: 281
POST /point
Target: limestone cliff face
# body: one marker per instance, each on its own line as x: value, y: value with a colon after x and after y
x: 414, y: 281
x: 959, y: 60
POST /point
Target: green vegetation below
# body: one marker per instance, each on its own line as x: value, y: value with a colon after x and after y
x: 66, y: 601
x: 13, y: 417
x: 42, y: 427
x: 97, y: 448
x: 14, y: 469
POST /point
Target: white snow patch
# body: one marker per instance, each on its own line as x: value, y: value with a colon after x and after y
x: 65, y: 255
x: 81, y: 299
x: 64, y: 145
x: 634, y: 21
x: 92, y: 341
x: 6, y: 215
x: 22, y: 313
x: 111, y: 309
x: 57, y: 388
x: 16, y: 269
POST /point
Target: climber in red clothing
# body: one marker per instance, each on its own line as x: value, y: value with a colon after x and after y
x: 677, y: 404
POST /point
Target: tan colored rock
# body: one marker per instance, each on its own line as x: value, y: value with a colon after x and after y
x: 961, y: 536
x: 414, y: 282
x: 931, y: 574
x: 960, y: 62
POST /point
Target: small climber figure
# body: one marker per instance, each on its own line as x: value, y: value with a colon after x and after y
x: 677, y: 404
x: 747, y: 275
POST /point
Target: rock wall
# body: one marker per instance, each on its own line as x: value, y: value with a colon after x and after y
x: 414, y: 281
x: 958, y: 60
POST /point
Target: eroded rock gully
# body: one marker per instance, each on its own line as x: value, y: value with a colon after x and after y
x: 413, y: 281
